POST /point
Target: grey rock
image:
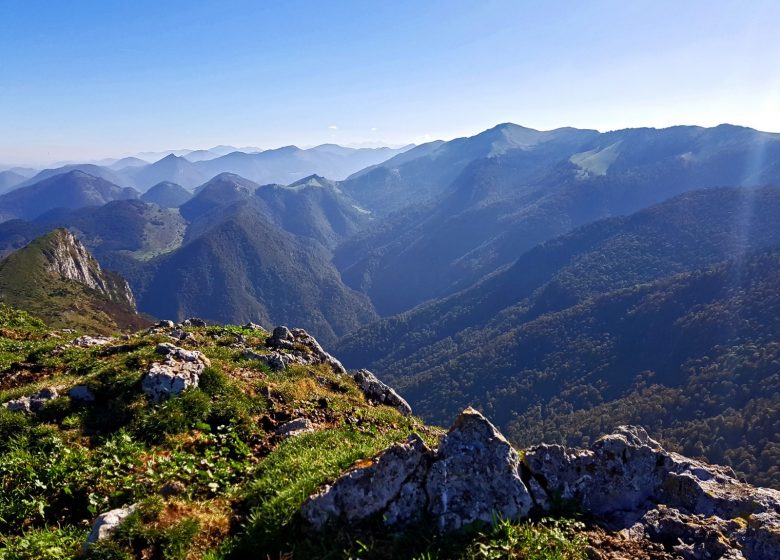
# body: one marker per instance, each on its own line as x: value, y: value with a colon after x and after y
x: 33, y: 403
x: 107, y: 523
x: 165, y: 324
x: 180, y: 371
x: 301, y: 344
x: 276, y: 360
x: 295, y: 427
x: 90, y: 341
x: 475, y: 476
x: 703, y: 507
x: 166, y: 380
x: 378, y: 392
x: 253, y: 326
x: 370, y: 490
x: 81, y: 393
x: 538, y: 494
x: 180, y: 354
x: 194, y: 322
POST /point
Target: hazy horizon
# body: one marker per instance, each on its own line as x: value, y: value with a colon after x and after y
x: 84, y: 82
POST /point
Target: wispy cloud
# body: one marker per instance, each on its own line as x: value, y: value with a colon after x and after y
x: 333, y: 127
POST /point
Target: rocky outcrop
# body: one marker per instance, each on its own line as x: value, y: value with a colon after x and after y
x: 90, y: 341
x: 107, y: 523
x: 378, y: 392
x: 629, y: 481
x: 626, y: 483
x: 180, y: 371
x: 473, y: 476
x: 303, y: 347
x: 67, y: 257
x: 33, y: 403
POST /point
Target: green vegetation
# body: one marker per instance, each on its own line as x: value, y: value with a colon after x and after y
x: 208, y: 475
x: 640, y: 319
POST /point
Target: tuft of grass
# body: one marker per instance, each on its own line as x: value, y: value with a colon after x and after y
x: 43, y: 544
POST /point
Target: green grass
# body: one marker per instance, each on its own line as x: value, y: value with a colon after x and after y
x: 239, y: 488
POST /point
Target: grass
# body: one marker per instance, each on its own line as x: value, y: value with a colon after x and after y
x: 235, y: 489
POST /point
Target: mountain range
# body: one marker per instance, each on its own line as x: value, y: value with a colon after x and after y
x: 190, y: 169
x: 554, y: 279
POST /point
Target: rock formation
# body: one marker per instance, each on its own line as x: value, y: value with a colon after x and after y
x: 626, y: 482
x: 380, y: 393
x: 33, y: 403
x: 67, y: 257
x: 473, y: 476
x: 180, y: 371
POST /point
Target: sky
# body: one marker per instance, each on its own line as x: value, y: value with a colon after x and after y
x: 89, y: 79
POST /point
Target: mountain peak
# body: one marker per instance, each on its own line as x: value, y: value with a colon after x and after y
x: 68, y: 258
x: 57, y: 278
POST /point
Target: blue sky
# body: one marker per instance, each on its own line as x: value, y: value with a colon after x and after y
x: 90, y: 79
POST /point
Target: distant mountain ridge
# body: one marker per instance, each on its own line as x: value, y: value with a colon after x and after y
x: 484, y: 200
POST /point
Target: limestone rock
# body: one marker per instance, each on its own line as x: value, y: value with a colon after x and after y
x: 33, y: 403
x: 471, y: 477
x: 81, y: 393
x: 180, y: 371
x: 475, y: 476
x: 295, y: 427
x: 90, y: 341
x: 369, y: 490
x: 376, y: 391
x: 299, y: 343
x: 276, y: 360
x: 107, y: 523
x: 703, y: 507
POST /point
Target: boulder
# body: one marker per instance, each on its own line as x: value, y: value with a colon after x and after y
x: 194, y: 322
x: 107, y: 523
x: 180, y: 371
x: 90, y: 341
x: 295, y: 427
x: 81, y: 393
x: 276, y: 360
x: 629, y: 480
x: 378, y: 392
x: 33, y: 403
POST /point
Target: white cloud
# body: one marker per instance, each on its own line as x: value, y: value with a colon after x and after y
x: 333, y: 127
x: 374, y: 129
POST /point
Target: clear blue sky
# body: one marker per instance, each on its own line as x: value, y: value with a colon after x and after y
x: 87, y: 79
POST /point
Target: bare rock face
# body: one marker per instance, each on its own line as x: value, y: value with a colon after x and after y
x: 472, y: 476
x: 107, y: 523
x: 378, y: 392
x: 180, y: 371
x: 628, y: 480
x: 67, y: 257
